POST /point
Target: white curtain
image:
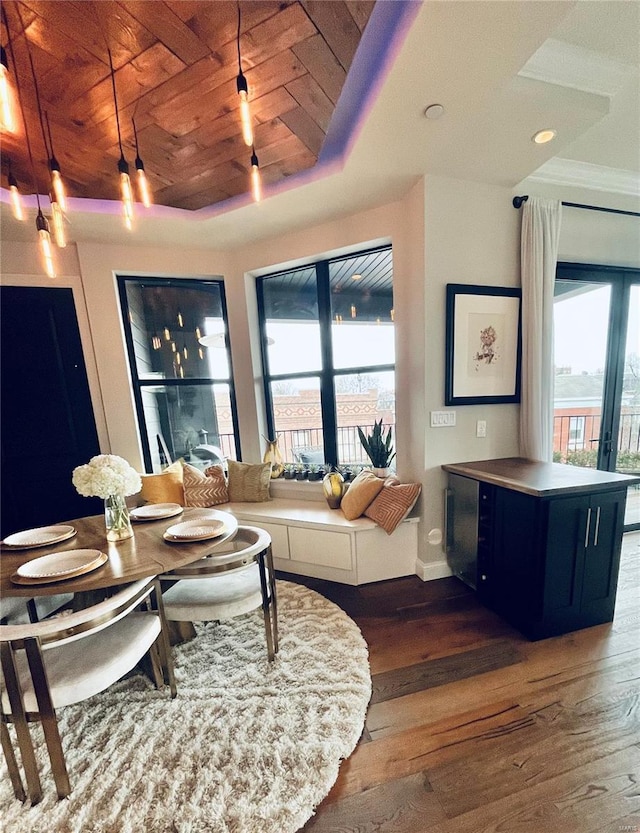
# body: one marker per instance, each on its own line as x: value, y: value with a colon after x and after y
x: 538, y: 256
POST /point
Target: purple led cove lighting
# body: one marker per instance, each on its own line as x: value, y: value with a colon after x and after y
x: 379, y: 46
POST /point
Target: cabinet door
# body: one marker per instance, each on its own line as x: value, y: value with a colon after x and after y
x: 602, y: 557
x: 567, y: 539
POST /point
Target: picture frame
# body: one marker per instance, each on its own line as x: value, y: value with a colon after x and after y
x: 483, y: 344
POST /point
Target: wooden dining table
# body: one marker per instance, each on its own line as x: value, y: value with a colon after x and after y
x: 146, y: 553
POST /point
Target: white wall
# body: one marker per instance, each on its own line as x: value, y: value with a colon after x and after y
x: 471, y: 237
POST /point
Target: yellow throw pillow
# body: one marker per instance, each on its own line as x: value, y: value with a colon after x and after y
x: 208, y: 489
x: 249, y: 482
x: 393, y: 504
x: 165, y: 487
x: 360, y: 494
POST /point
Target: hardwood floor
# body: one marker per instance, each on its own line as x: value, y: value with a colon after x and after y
x: 474, y: 729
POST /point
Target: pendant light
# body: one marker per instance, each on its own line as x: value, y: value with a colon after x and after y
x: 56, y: 176
x: 44, y: 240
x: 16, y: 199
x: 57, y: 220
x: 42, y: 226
x: 8, y: 109
x: 243, y: 92
x: 8, y: 121
x: 126, y: 194
x: 143, y: 184
x: 256, y: 183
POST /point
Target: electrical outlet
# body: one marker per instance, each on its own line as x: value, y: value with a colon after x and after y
x: 481, y: 428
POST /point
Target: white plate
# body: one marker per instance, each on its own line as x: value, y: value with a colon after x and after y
x: 60, y: 565
x: 42, y: 536
x: 155, y: 511
x: 198, y: 530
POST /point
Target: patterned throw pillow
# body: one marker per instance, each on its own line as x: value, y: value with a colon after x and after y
x: 360, y: 493
x: 165, y: 487
x: 208, y: 489
x: 393, y: 504
x: 249, y: 482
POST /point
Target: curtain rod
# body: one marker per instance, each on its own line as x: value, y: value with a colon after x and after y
x: 518, y: 201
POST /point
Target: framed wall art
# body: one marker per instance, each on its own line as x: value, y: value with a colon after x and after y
x: 483, y: 345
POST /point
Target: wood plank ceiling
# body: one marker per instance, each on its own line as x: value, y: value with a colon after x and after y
x: 176, y: 64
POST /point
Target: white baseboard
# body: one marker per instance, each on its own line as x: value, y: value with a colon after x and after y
x: 433, y: 570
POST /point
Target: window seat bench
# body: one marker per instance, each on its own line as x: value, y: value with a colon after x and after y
x: 310, y: 539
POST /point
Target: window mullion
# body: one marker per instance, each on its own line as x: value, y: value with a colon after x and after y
x: 327, y: 389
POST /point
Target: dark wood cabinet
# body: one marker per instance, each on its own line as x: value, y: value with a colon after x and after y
x: 547, y: 541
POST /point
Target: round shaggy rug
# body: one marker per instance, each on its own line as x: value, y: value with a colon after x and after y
x: 246, y: 747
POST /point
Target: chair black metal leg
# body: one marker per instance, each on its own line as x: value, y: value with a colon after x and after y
x: 266, y: 607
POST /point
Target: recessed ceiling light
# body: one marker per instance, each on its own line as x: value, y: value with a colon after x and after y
x: 544, y: 136
x: 434, y: 111
x: 356, y: 277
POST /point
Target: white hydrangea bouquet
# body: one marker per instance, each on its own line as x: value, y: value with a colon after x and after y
x: 111, y: 478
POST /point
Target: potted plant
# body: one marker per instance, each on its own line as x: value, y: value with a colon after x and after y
x: 378, y: 448
x: 301, y: 472
x: 289, y: 471
x: 314, y: 472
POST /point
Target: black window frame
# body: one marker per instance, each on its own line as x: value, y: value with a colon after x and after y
x: 327, y: 373
x: 138, y: 384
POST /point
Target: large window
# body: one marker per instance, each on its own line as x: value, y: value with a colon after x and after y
x: 328, y: 354
x: 181, y: 369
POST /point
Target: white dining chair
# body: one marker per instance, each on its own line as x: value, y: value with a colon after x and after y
x: 235, y: 579
x: 17, y: 610
x: 66, y: 659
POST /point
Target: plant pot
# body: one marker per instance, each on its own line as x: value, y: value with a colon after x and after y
x: 301, y: 475
x: 381, y: 472
x: 289, y: 475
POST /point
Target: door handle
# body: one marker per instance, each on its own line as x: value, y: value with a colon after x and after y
x: 586, y: 532
x: 595, y: 534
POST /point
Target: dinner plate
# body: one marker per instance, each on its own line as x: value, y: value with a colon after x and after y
x: 197, y: 530
x: 59, y: 566
x: 155, y: 511
x: 41, y: 536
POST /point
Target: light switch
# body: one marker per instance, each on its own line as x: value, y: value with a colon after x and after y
x: 481, y: 428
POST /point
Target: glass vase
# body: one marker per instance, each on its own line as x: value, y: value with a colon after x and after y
x: 116, y: 518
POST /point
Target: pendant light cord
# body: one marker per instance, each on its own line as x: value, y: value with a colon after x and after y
x: 34, y: 180
x: 115, y: 101
x: 238, y: 41
x: 35, y: 83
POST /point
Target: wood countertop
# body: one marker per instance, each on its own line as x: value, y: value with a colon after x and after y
x: 541, y: 479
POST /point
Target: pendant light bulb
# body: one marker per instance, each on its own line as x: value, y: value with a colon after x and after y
x: 58, y: 184
x: 245, y: 110
x: 57, y: 220
x: 256, y: 184
x: 126, y: 194
x: 44, y: 241
x: 16, y: 199
x: 143, y: 184
x: 8, y: 121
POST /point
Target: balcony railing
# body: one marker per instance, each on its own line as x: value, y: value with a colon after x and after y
x: 576, y: 437
x: 297, y: 441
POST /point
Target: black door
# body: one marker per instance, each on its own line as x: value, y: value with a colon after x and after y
x: 48, y: 425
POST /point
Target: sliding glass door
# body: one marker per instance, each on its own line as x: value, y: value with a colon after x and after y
x: 597, y: 371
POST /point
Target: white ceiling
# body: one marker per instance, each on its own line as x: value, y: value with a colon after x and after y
x: 502, y: 70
